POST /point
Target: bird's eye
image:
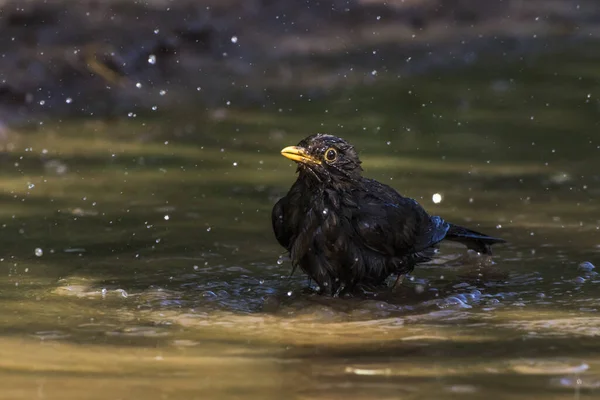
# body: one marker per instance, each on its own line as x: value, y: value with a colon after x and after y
x: 331, y: 154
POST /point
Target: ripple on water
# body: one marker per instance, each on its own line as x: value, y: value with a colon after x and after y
x: 208, y: 294
x: 461, y: 300
x: 586, y: 266
x: 571, y: 382
x: 368, y: 371
x: 454, y: 302
x: 139, y: 331
x: 463, y: 389
x: 559, y: 327
x: 548, y: 366
x: 87, y: 291
x: 185, y: 343
x: 51, y: 335
x: 96, y: 328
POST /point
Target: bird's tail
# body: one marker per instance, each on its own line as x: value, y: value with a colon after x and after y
x: 473, y: 240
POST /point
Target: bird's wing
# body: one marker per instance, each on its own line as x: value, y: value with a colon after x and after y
x: 281, y: 230
x: 394, y: 225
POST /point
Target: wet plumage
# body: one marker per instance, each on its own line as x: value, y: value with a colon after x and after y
x: 346, y: 231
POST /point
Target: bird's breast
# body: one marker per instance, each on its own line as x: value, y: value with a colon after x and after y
x: 324, y: 229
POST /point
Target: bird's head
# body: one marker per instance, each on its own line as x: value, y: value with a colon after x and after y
x: 325, y: 157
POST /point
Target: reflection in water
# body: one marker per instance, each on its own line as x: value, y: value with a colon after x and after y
x: 148, y: 269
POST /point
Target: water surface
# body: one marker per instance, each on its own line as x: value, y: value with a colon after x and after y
x: 138, y: 258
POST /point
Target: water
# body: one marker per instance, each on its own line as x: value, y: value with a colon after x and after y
x: 138, y: 259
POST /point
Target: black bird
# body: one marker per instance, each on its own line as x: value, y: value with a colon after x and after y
x: 348, y: 232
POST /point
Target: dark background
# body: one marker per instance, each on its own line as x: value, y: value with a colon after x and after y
x: 106, y: 58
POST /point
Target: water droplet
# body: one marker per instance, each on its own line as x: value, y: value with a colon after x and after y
x: 279, y: 261
x: 138, y: 85
x: 68, y: 100
x: 39, y: 252
x: 289, y: 293
x: 378, y: 17
x: 235, y: 164
x: 228, y: 103
x: 234, y: 39
x: 154, y: 108
x: 374, y: 72
x: 31, y: 186
x: 208, y: 229
x: 42, y: 102
x: 196, y: 268
x: 162, y: 92
x: 156, y: 31
x: 436, y: 198
x: 152, y: 59
x: 262, y: 281
x: 325, y: 211
x: 166, y: 217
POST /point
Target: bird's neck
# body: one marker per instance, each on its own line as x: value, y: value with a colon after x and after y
x: 325, y: 194
x: 313, y: 182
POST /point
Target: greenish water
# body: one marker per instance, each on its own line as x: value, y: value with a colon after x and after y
x: 138, y: 259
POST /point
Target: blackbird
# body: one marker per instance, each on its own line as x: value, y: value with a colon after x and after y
x: 347, y: 232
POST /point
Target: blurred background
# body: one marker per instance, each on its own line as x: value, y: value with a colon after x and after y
x: 140, y: 160
x: 109, y: 58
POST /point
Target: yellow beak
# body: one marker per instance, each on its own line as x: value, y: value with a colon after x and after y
x: 299, y: 154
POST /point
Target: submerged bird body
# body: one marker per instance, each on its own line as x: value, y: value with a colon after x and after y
x: 346, y: 231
